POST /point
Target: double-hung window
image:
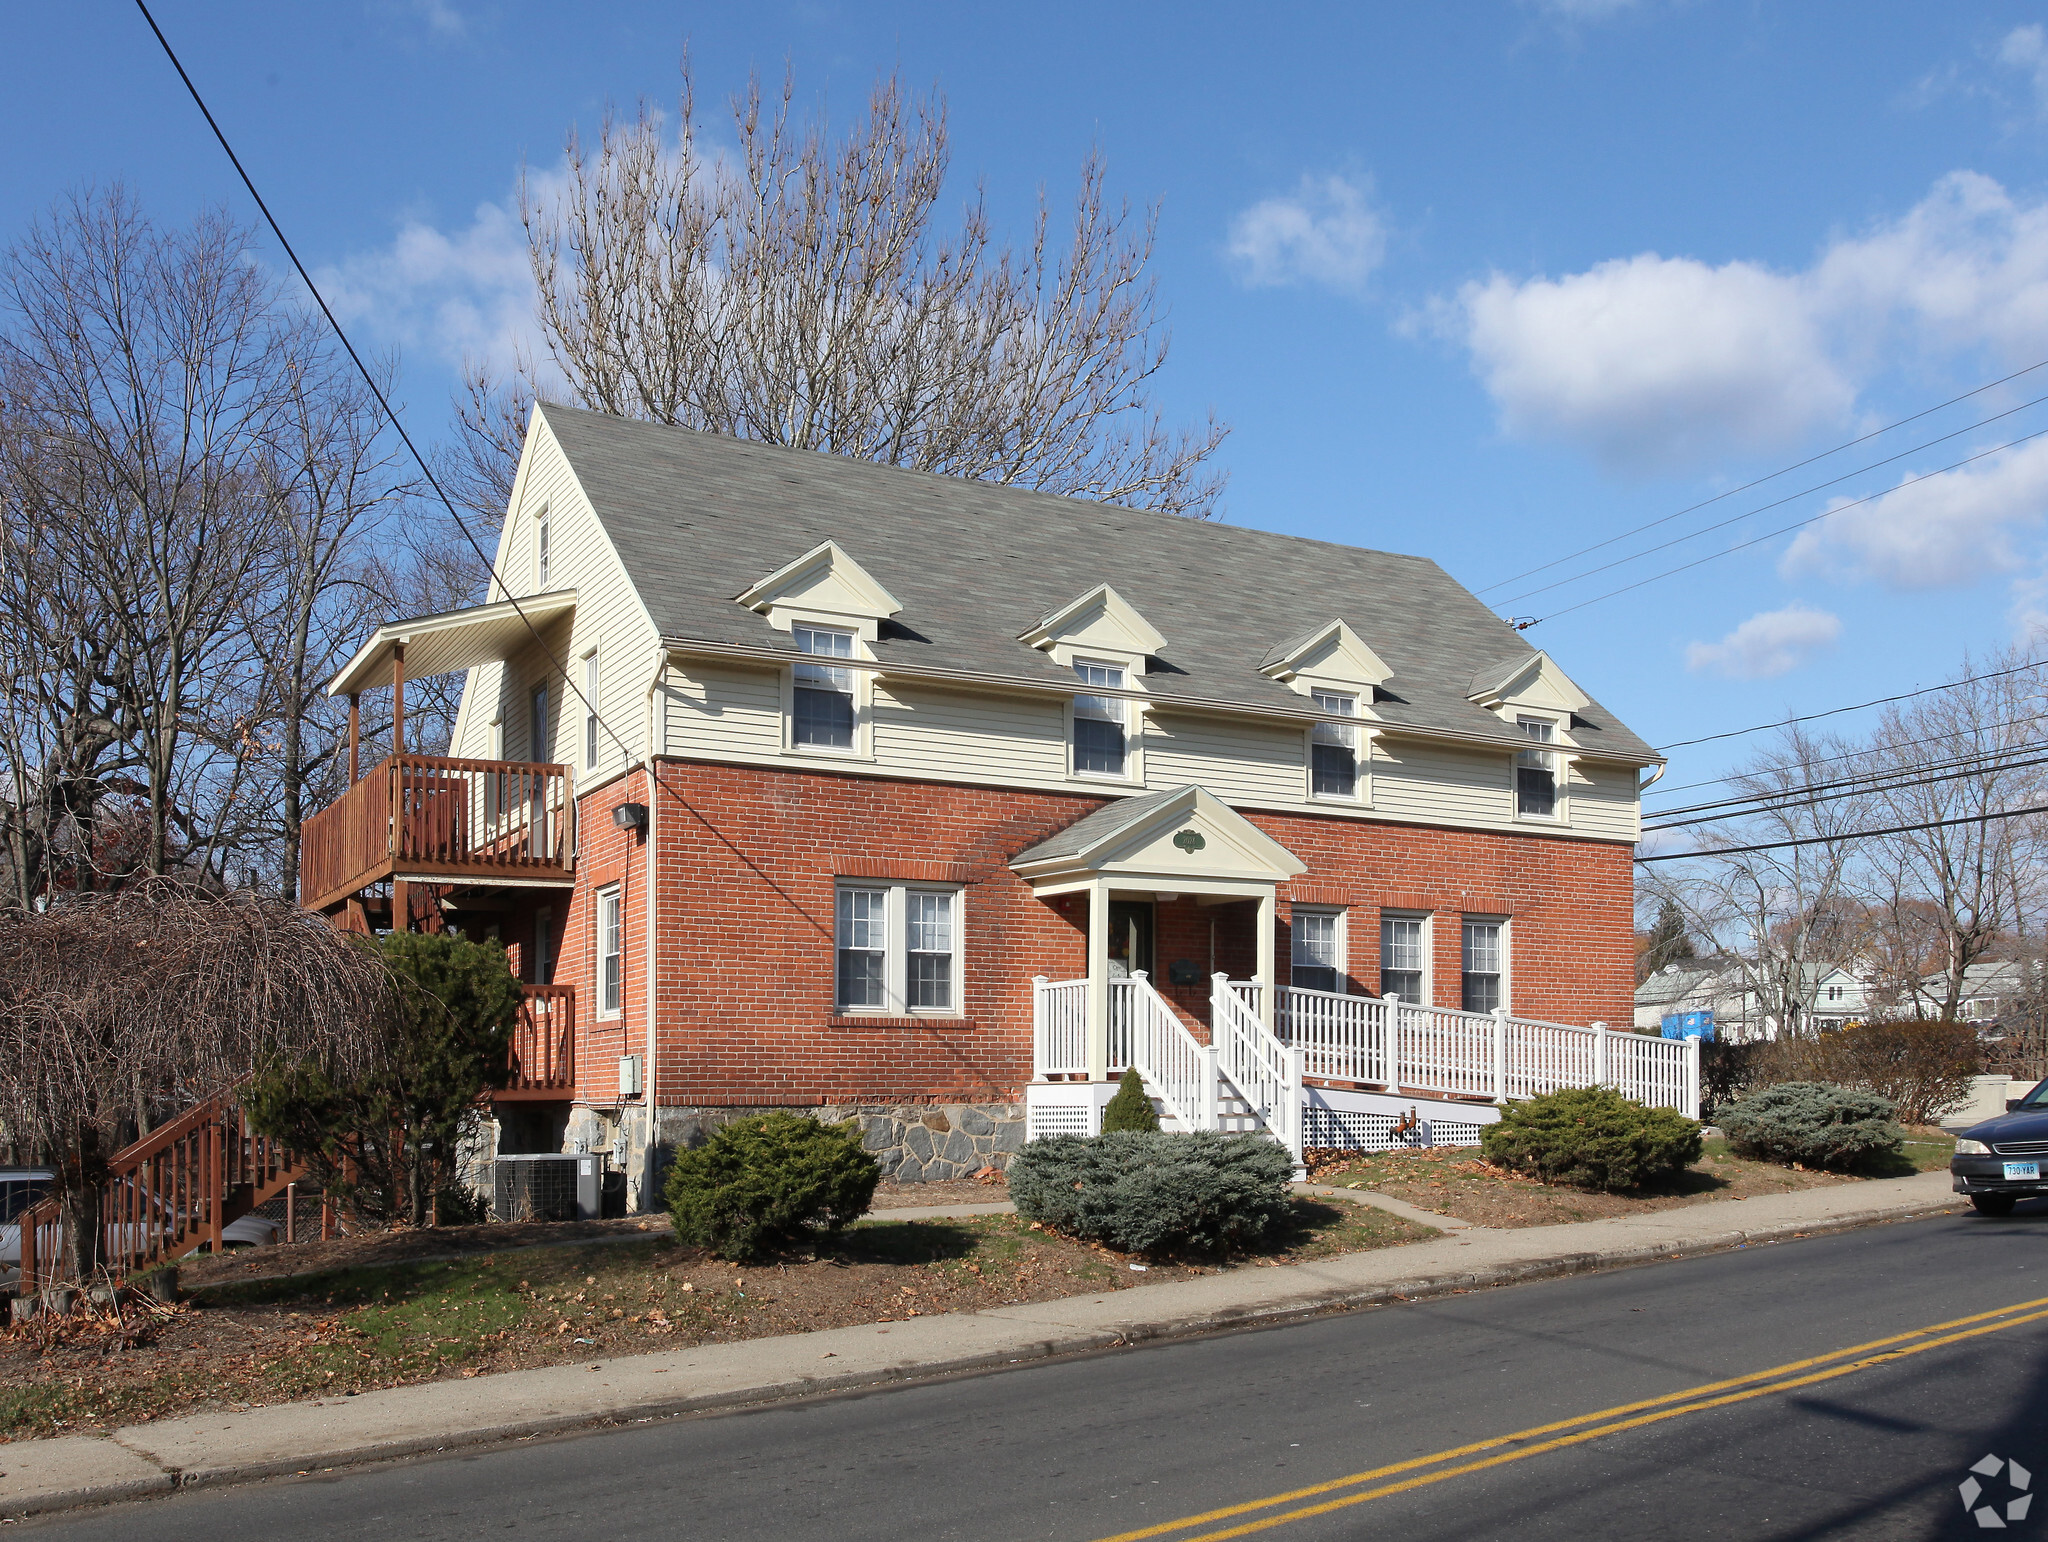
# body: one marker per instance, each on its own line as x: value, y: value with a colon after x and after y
x: 1536, y: 772
x: 542, y: 745
x: 1485, y: 966
x: 1099, y: 748
x: 898, y: 949
x: 1333, y: 749
x: 542, y: 541
x: 611, y: 952
x: 1404, y: 958
x: 589, y: 710
x: 1318, y: 963
x: 822, y: 714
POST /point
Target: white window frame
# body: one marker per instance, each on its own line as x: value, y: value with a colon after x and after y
x: 543, y: 548
x: 541, y: 726
x: 1340, y: 942
x: 896, y: 949
x: 609, y: 913
x: 1345, y: 702
x: 1506, y: 973
x: 592, y: 744
x: 1427, y: 989
x: 1132, y: 720
x: 862, y: 692
x: 1552, y: 748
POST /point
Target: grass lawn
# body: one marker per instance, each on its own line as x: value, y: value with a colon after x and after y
x: 1459, y: 1183
x: 271, y: 1338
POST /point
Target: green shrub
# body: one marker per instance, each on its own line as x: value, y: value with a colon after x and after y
x: 1591, y: 1138
x: 1152, y: 1192
x: 1921, y: 1067
x: 1812, y: 1124
x: 1130, y: 1109
x: 768, y: 1179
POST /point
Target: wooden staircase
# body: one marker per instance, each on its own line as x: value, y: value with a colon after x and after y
x: 171, y: 1192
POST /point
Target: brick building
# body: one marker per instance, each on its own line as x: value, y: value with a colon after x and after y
x: 790, y: 780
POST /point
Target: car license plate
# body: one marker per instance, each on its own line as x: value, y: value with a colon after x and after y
x: 2018, y: 1171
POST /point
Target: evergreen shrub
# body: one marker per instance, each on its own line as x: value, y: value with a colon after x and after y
x: 770, y: 1179
x: 1155, y: 1192
x: 1591, y: 1138
x: 1812, y: 1124
x: 1130, y: 1109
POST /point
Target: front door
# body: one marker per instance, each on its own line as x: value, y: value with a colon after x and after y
x: 1130, y: 937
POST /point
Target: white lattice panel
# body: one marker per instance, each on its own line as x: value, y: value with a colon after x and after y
x: 1452, y: 1132
x: 1057, y: 1119
x: 1338, y: 1129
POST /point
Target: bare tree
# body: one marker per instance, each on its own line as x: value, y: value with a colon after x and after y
x: 1778, y: 914
x: 796, y: 291
x: 119, y: 1007
x: 1961, y: 889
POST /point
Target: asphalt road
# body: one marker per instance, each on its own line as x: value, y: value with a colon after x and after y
x: 1090, y: 1448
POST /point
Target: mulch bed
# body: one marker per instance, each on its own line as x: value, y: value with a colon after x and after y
x: 390, y: 1309
x: 1458, y: 1182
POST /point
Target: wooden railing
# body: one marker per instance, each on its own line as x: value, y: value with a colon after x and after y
x: 168, y: 1193
x: 438, y: 817
x: 544, y: 1043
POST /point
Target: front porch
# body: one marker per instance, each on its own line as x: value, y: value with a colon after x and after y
x: 1307, y: 1067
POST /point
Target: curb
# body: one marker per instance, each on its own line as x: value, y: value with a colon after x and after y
x: 97, y: 1475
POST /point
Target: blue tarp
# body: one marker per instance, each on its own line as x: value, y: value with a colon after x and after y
x: 1689, y: 1025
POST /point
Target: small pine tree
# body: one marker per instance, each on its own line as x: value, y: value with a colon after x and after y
x: 1130, y: 1109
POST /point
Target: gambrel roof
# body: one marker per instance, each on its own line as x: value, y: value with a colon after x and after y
x: 699, y: 519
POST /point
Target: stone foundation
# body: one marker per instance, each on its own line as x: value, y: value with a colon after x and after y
x: 914, y: 1142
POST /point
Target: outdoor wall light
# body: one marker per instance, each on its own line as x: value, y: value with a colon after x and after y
x: 631, y: 816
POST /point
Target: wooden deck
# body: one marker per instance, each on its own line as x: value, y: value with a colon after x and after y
x: 443, y: 820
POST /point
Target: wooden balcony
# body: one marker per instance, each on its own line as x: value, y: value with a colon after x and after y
x: 543, y: 1046
x: 440, y: 820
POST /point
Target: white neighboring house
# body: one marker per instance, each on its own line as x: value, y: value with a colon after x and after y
x: 1842, y: 997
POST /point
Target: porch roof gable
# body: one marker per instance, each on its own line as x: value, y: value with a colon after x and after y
x: 451, y: 641
x: 1183, y: 834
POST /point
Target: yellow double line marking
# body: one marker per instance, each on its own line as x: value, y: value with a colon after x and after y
x: 1593, y: 1426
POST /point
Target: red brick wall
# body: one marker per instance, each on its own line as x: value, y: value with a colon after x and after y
x: 745, y: 872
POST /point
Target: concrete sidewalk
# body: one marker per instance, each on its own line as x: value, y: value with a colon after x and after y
x: 225, y: 1447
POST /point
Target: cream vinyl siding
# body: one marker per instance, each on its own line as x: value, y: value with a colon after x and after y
x: 1604, y: 802
x: 608, y: 617
x: 1441, y: 784
x: 1236, y: 760
x: 712, y: 712
x: 968, y: 737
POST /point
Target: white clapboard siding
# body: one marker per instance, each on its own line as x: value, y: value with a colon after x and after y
x: 1604, y: 802
x: 1240, y: 762
x: 965, y: 736
x: 720, y: 712
x: 608, y: 617
x: 1441, y: 784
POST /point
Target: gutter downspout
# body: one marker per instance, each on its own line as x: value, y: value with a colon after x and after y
x: 651, y: 865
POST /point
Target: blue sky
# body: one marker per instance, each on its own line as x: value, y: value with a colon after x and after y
x: 1489, y: 282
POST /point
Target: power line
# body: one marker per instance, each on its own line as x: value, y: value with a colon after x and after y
x: 1846, y: 835
x: 1771, y: 803
x: 490, y: 566
x: 1758, y: 482
x: 1661, y: 791
x: 1880, y: 701
x: 1972, y: 758
x: 1797, y: 524
x: 1776, y: 503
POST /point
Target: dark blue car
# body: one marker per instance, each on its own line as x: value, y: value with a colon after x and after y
x: 2000, y: 1162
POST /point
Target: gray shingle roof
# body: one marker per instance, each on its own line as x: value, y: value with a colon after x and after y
x: 1090, y: 828
x: 697, y: 518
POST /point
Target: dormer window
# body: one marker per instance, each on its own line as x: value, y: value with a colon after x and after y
x: 823, y: 715
x: 1536, y: 771
x: 1099, y: 748
x: 1333, y: 749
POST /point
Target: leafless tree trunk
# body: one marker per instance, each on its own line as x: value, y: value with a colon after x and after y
x: 797, y: 292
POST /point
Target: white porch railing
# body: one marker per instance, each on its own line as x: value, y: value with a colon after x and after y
x: 1265, y: 1072
x: 1180, y: 1070
x: 1059, y: 1017
x: 1388, y: 1043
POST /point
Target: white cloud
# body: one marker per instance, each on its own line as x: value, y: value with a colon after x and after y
x: 1775, y: 642
x: 459, y: 295
x: 1938, y: 532
x: 1649, y: 362
x: 2026, y: 49
x: 1325, y: 232
x: 1660, y: 363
